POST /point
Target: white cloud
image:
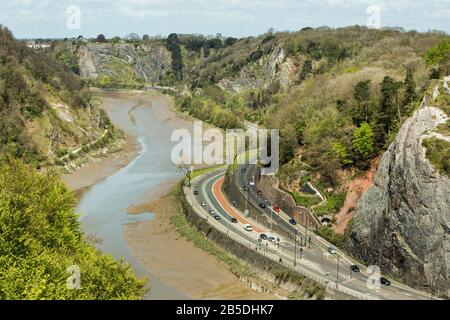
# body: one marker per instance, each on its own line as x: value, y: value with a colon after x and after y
x: 236, y: 17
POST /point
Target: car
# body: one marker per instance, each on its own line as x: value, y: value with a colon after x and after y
x: 332, y: 250
x: 263, y: 236
x: 244, y: 170
x: 262, y: 205
x: 248, y: 227
x: 354, y: 268
x: 272, y: 239
x: 246, y: 188
x: 276, y: 208
x: 259, y: 193
x: 252, y: 183
x: 234, y: 220
x: 211, y: 211
x: 385, y: 282
x: 203, y: 204
x: 195, y: 193
x: 293, y: 222
x: 217, y: 217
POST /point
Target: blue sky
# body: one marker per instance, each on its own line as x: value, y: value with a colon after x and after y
x: 48, y: 18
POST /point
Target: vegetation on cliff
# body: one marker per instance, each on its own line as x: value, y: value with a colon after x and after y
x: 353, y: 88
x: 45, y: 109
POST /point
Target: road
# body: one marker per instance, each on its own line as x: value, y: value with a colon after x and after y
x: 314, y: 261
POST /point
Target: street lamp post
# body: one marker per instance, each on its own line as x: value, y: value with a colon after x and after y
x: 271, y: 216
x: 271, y: 219
x: 246, y: 198
x: 306, y: 233
x: 295, y: 249
x: 337, y: 274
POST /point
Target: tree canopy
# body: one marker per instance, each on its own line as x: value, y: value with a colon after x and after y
x: 40, y: 238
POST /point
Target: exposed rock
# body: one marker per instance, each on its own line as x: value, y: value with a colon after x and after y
x: 147, y: 62
x: 402, y: 223
x: 272, y: 67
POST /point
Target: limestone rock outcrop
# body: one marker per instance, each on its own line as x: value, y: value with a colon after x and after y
x: 402, y: 223
x: 146, y: 62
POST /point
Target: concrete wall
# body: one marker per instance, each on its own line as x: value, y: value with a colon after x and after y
x: 269, y: 187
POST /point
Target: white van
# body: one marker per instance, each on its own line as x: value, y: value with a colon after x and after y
x: 248, y: 227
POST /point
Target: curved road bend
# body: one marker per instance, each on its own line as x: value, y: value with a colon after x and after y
x: 315, y: 259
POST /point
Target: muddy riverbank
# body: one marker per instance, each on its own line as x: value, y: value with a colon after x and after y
x: 124, y: 202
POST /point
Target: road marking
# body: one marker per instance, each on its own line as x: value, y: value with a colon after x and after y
x: 217, y: 192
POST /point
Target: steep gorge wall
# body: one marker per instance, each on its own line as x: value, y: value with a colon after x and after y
x: 402, y: 223
x: 147, y: 62
x: 275, y: 66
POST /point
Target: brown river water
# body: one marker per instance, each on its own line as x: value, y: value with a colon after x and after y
x: 103, y: 206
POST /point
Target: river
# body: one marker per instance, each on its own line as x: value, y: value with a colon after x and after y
x: 103, y: 207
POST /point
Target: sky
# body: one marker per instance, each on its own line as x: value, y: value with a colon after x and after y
x: 237, y: 18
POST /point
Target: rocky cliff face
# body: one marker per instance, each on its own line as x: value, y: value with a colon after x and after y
x: 402, y: 223
x: 147, y: 62
x: 275, y: 66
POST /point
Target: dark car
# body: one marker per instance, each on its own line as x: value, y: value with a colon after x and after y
x: 217, y: 217
x: 244, y: 170
x: 234, y: 220
x: 354, y: 268
x: 263, y: 236
x: 262, y: 205
x: 293, y: 222
x: 259, y: 193
x: 246, y: 188
x: 195, y: 192
x: 385, y: 282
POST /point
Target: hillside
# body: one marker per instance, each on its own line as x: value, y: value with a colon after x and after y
x: 339, y: 96
x: 45, y: 110
x: 326, y: 89
x: 402, y: 222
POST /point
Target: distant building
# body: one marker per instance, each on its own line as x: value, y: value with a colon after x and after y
x: 35, y: 45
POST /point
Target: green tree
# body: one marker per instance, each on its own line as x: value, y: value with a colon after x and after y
x: 410, y: 88
x: 361, y: 94
x: 40, y: 238
x: 439, y: 55
x: 306, y: 69
x: 173, y: 44
x: 116, y: 39
x: 362, y: 141
x: 341, y: 153
x: 389, y: 103
x: 101, y: 38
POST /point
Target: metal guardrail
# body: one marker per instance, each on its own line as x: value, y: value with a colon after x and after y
x: 280, y: 259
